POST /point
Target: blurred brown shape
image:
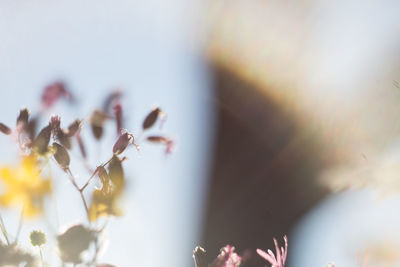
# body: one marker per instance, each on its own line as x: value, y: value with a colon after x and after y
x: 264, y: 177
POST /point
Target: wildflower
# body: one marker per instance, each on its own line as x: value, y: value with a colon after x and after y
x: 24, y: 185
x: 227, y: 258
x: 38, y: 238
x: 280, y: 259
x: 199, y: 257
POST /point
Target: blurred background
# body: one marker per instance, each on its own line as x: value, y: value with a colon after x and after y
x: 285, y: 116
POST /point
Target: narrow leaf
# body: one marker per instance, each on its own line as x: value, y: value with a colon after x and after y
x: 151, y: 118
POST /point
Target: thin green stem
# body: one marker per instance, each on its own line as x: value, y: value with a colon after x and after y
x: 72, y: 179
x: 3, y: 230
x: 41, y: 256
x: 94, y: 174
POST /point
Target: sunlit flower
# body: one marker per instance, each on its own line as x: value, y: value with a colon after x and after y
x: 23, y: 185
x: 281, y: 254
x: 227, y: 258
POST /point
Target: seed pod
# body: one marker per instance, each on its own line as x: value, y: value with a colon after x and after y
x: 122, y: 142
x: 61, y: 156
x: 96, y: 121
x: 4, y: 129
x: 31, y: 128
x: 151, y: 118
x: 22, y: 119
x: 63, y: 138
x: 74, y: 127
x: 41, y: 143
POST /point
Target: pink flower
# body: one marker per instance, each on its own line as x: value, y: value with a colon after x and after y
x: 280, y: 259
x: 227, y: 258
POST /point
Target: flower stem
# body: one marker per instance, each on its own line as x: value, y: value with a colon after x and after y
x: 93, y: 174
x: 41, y: 256
x: 3, y: 230
x: 72, y: 179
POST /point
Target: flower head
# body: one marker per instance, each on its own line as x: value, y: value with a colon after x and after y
x: 38, y: 238
x: 23, y: 185
x: 281, y: 254
x: 227, y: 258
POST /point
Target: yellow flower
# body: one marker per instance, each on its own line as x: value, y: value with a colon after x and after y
x: 23, y: 185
